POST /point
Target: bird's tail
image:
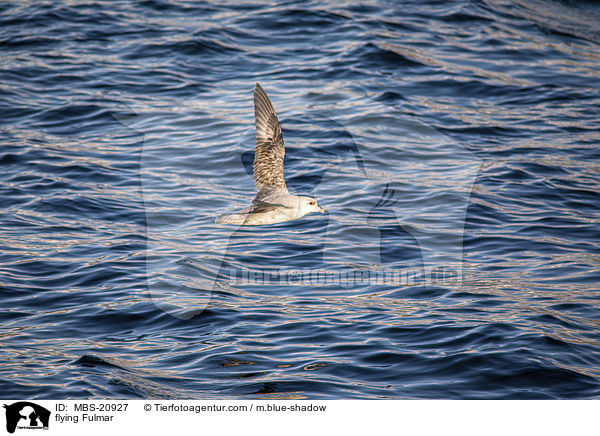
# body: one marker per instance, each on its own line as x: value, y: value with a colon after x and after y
x: 231, y: 218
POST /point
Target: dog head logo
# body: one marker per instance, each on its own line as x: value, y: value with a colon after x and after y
x: 24, y: 414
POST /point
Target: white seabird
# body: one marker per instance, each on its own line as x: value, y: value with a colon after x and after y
x: 273, y: 203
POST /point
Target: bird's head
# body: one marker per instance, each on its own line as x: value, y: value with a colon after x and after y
x: 307, y: 205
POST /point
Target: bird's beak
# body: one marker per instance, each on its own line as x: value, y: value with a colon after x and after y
x: 321, y: 209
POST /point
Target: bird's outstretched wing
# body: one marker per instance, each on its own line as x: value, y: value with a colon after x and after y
x: 268, y: 159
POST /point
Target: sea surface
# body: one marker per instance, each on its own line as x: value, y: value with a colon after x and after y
x: 453, y: 144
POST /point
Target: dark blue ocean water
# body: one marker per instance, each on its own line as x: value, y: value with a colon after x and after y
x: 452, y: 136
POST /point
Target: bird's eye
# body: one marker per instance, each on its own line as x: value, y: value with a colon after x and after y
x: 312, y: 203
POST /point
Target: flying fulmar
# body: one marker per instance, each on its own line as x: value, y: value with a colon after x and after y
x: 273, y: 203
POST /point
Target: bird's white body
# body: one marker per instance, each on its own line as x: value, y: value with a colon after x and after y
x: 272, y: 214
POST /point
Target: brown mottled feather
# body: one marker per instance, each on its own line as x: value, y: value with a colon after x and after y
x: 270, y: 150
